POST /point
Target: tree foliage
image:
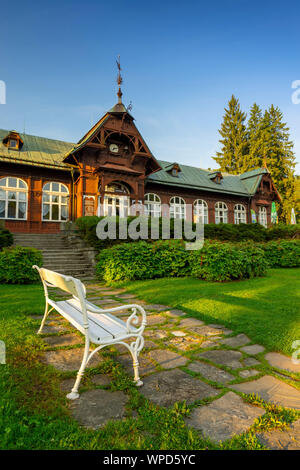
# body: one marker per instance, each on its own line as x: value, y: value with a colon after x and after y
x: 263, y: 142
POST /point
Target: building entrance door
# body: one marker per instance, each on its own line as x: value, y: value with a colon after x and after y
x: 116, y: 200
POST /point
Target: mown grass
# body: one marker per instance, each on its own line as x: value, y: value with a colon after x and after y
x: 267, y: 309
x: 34, y: 413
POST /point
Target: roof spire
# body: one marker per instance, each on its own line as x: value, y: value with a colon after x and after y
x: 119, y: 80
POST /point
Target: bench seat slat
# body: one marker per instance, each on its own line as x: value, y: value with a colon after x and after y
x: 75, y: 317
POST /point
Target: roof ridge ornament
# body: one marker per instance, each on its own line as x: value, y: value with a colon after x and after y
x: 119, y: 80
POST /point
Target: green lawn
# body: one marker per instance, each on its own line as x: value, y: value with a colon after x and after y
x: 267, y: 309
x: 33, y: 409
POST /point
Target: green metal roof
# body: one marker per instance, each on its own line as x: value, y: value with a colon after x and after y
x: 197, y: 178
x: 36, y: 151
x: 50, y: 153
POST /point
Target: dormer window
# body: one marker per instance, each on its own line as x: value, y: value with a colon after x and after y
x: 216, y: 177
x: 13, y: 143
x: 174, y: 169
x: 13, y: 140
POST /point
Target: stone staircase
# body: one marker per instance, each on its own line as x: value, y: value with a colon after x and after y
x: 62, y: 252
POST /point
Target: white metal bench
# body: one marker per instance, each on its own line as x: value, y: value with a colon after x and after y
x: 97, y: 325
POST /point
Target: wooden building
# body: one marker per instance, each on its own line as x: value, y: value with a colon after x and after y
x: 44, y: 182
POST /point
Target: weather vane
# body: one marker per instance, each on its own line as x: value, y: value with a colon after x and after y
x: 119, y: 79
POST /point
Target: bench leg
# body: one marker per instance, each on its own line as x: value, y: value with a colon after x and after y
x: 74, y: 392
x: 135, y: 350
x: 44, y: 318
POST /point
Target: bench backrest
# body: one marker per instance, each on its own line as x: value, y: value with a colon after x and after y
x: 66, y: 283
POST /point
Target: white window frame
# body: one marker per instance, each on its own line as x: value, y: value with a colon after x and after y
x: 200, y: 211
x: 221, y: 213
x: 177, y: 208
x: 262, y: 216
x: 240, y: 216
x: 17, y: 190
x: 152, y: 204
x: 50, y: 193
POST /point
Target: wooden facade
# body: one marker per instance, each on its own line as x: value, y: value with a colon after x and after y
x: 110, y: 169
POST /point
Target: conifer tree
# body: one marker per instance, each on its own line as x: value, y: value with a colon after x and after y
x: 253, y: 158
x: 278, y: 157
x: 233, y: 138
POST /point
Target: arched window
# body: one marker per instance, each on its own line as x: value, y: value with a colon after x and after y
x: 262, y: 216
x: 177, y: 207
x: 239, y: 214
x: 221, y: 213
x: 116, y: 188
x: 13, y: 198
x: 55, y: 202
x: 152, y: 205
x: 200, y: 211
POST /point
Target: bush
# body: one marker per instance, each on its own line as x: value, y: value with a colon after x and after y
x: 214, y: 262
x: 6, y: 238
x: 142, y: 260
x: 226, y: 261
x: 16, y: 265
x: 282, y: 253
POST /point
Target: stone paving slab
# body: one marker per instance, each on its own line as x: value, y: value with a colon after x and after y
x: 168, y: 387
x: 155, y: 320
x: 236, y: 341
x: 224, y: 417
x: 287, y: 439
x: 282, y: 362
x: 100, y: 379
x: 156, y: 307
x: 185, y: 343
x: 127, y: 296
x: 226, y: 358
x: 248, y: 373
x: 272, y: 390
x: 253, y: 349
x: 209, y: 343
x: 167, y: 359
x: 189, y: 322
x: 175, y: 312
x: 205, y: 330
x: 53, y: 329
x: 65, y: 340
x: 250, y: 361
x: 146, y: 366
x: 211, y: 372
x: 67, y: 360
x: 94, y: 408
x: 155, y: 334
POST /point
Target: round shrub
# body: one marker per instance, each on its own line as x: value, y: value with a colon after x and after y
x: 16, y: 265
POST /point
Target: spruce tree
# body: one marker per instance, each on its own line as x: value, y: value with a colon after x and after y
x: 234, y: 138
x: 254, y: 155
x: 276, y: 153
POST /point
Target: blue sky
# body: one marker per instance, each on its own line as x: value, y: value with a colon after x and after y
x: 181, y: 63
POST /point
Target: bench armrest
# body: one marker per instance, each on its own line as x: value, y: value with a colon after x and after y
x: 133, y: 319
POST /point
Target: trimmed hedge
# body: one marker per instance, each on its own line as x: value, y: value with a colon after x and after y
x: 282, y: 253
x: 228, y: 261
x: 6, y: 238
x: 214, y: 262
x: 142, y: 260
x: 223, y: 232
x: 16, y: 265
